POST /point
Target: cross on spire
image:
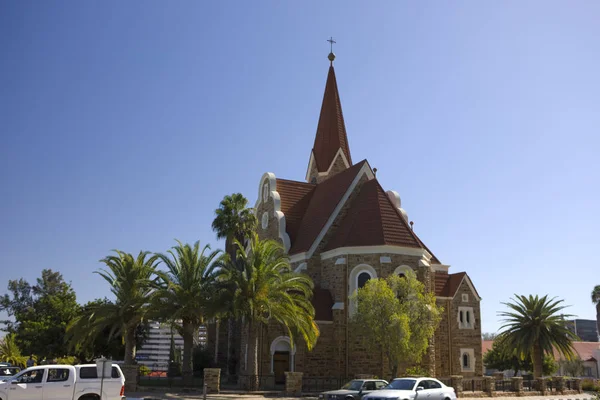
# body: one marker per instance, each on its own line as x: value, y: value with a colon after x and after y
x: 331, y: 56
x: 331, y: 42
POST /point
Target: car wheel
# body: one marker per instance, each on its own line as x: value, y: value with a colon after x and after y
x: 90, y: 397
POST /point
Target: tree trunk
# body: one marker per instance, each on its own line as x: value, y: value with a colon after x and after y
x: 538, y: 361
x: 394, y: 370
x: 253, y: 379
x: 230, y: 327
x: 217, y: 326
x: 188, y: 348
x: 130, y: 345
x: 598, y: 317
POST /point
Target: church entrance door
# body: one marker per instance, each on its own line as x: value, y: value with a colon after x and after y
x: 281, y: 364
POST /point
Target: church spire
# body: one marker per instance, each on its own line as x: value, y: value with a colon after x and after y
x: 331, y: 141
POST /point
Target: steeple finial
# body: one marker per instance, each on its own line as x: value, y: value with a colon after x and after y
x: 331, y: 56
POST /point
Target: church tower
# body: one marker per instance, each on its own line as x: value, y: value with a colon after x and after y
x: 330, y: 153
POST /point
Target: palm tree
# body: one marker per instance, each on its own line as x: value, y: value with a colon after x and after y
x: 9, y: 351
x: 265, y: 289
x: 533, y: 327
x: 132, y: 281
x: 596, y: 301
x: 188, y: 294
x: 233, y: 221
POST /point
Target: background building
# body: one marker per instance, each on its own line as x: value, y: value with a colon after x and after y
x: 154, y: 353
x: 586, y: 329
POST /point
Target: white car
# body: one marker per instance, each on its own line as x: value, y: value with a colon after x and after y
x: 63, y: 382
x: 413, y: 388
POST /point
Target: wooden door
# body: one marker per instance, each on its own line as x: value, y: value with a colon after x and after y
x: 281, y: 364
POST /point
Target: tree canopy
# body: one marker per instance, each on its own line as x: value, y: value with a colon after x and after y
x: 533, y: 327
x: 41, y: 313
x: 505, y: 359
x: 398, y: 317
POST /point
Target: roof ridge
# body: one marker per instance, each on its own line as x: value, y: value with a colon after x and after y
x: 321, y: 222
x: 294, y: 181
x: 412, y: 232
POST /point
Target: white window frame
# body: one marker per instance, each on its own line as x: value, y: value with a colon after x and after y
x: 402, y: 270
x: 292, y: 350
x: 353, y: 282
x: 470, y: 353
x: 468, y: 321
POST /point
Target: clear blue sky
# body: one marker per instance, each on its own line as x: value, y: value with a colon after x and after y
x: 123, y: 124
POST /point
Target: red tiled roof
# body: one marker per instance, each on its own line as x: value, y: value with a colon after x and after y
x: 373, y: 220
x: 295, y: 197
x: 322, y: 302
x: 486, y: 345
x: 323, y: 201
x: 585, y: 350
x: 331, y: 131
x: 446, y: 285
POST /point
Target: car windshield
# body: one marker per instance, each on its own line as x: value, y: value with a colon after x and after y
x: 401, y: 384
x: 353, y: 385
x: 8, y: 371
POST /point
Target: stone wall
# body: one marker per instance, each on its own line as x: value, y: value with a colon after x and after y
x: 465, y: 338
x: 337, y: 167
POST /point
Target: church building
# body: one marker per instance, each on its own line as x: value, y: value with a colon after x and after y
x: 342, y: 228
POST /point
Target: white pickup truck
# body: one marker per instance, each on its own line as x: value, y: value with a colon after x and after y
x: 63, y: 382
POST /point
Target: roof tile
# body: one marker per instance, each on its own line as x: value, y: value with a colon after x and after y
x: 323, y: 202
x: 331, y: 130
x: 295, y: 197
x: 373, y: 220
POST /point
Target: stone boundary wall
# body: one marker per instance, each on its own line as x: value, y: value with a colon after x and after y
x: 487, y: 386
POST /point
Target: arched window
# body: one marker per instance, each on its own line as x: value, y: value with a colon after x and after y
x: 465, y: 360
x: 402, y: 270
x: 362, y: 279
x: 359, y: 276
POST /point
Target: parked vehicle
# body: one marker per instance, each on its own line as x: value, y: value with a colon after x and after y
x: 7, y: 372
x: 354, y: 390
x: 63, y: 382
x: 413, y: 388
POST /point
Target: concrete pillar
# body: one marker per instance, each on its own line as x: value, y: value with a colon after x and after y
x: 499, y: 375
x: 293, y: 383
x: 212, y: 380
x: 489, y: 385
x: 559, y: 383
x: 577, y: 385
x: 131, y: 373
x: 456, y: 381
x: 517, y: 384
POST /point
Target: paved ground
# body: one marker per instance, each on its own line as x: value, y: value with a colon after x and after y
x: 230, y: 396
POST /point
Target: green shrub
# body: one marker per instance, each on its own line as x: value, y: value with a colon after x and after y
x: 590, y: 386
x: 67, y: 360
x: 144, y: 371
x: 416, y: 371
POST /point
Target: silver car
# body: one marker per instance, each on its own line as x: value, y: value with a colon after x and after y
x: 354, y: 390
x: 414, y: 389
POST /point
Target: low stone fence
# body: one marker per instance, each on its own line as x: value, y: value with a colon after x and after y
x: 489, y: 386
